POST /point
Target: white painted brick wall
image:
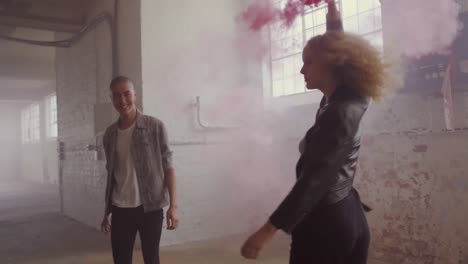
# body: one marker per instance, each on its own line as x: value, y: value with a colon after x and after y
x: 229, y: 188
x: 10, y: 141
x: 83, y: 177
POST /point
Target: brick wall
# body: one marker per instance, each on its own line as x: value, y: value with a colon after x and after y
x: 230, y: 181
x: 83, y: 177
x: 416, y: 181
x: 10, y: 140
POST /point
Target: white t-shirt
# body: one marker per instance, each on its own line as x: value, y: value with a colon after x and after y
x: 125, y: 192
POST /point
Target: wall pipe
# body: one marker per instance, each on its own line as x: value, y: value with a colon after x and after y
x: 200, y: 122
x: 66, y: 43
x: 69, y: 42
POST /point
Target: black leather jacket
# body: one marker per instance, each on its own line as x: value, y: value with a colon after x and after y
x: 325, y: 171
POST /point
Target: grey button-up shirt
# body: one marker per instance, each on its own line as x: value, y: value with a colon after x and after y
x: 152, y: 158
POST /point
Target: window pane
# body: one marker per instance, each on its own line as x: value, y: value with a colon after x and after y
x: 320, y: 30
x: 308, y: 20
x: 54, y: 130
x: 275, y: 49
x: 52, y: 117
x: 310, y: 33
x: 35, y: 126
x: 289, y: 85
x: 300, y: 85
x: 349, y: 8
x: 378, y: 18
x: 366, y: 22
x: 297, y: 63
x: 320, y: 16
x: 277, y: 70
x: 289, y: 67
x: 285, y: 47
x: 365, y: 5
x: 359, y: 16
x: 277, y: 31
x: 296, y: 28
x: 351, y: 24
x: 277, y: 88
x: 297, y: 43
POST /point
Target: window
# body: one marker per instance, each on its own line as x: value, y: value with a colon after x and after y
x: 25, y: 125
x: 51, y: 110
x: 35, y: 123
x: 30, y: 124
x: 359, y: 16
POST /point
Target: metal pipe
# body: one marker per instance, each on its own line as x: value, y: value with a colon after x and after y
x: 14, y: 19
x: 66, y: 43
x: 199, y: 119
x: 115, y: 39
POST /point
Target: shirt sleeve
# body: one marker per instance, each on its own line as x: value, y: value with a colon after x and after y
x: 166, y: 152
x: 322, y: 159
x: 108, y: 205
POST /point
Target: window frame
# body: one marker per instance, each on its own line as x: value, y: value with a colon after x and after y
x: 307, y: 96
x: 51, y: 117
x: 31, y: 124
x: 35, y: 117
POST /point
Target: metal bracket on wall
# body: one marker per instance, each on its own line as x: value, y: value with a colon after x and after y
x: 208, y: 127
x: 98, y: 147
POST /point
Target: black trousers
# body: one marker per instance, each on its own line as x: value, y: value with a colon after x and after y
x: 126, y: 222
x: 334, y: 234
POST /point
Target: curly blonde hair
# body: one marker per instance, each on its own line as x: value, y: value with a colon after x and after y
x: 354, y: 62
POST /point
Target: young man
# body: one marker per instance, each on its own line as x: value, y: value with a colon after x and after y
x: 140, y: 177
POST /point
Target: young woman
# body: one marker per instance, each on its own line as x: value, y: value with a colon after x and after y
x: 323, y: 211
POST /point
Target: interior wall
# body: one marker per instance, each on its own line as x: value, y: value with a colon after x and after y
x: 188, y: 50
x: 81, y: 175
x: 10, y: 141
x: 413, y: 173
x: 176, y: 69
x: 229, y: 180
x: 82, y: 92
x: 39, y: 160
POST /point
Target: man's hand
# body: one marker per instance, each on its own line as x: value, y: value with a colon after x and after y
x: 106, y: 224
x: 172, y: 218
x: 255, y: 243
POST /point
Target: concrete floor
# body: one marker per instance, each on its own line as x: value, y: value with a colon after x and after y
x: 33, y: 231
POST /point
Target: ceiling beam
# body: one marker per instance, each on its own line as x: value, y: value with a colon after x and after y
x: 5, y: 4
x: 40, y: 22
x: 18, y: 95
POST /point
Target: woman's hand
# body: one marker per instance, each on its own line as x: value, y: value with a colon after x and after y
x: 333, y: 13
x: 254, y: 244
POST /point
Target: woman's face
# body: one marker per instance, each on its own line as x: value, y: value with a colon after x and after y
x: 314, y: 69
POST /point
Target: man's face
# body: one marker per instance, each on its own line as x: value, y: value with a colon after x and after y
x: 123, y: 97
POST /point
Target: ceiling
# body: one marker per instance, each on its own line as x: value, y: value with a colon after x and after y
x: 24, y: 89
x: 28, y: 72
x: 55, y: 15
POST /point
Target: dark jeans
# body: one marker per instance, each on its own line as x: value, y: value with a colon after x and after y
x: 125, y: 224
x: 334, y: 234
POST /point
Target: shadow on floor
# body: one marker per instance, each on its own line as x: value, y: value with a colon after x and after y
x: 50, y: 238
x: 32, y: 231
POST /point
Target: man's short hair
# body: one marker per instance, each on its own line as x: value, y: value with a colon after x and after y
x: 119, y: 79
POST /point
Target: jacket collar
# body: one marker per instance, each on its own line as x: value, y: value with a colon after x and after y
x: 139, y: 122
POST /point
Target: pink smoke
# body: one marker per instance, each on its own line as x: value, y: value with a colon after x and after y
x: 262, y: 12
x: 421, y: 27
